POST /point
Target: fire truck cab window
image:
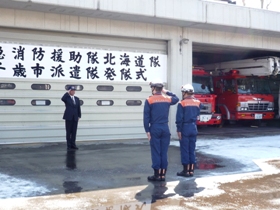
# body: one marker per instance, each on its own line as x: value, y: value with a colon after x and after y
x: 253, y: 85
x: 229, y: 85
x: 244, y: 86
x: 263, y: 86
x: 202, y: 85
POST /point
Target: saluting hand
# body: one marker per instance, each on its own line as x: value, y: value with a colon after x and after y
x: 164, y: 90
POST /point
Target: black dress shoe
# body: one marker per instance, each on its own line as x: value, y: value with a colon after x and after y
x: 69, y: 148
x: 75, y: 147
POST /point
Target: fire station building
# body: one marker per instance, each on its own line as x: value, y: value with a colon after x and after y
x: 110, y: 50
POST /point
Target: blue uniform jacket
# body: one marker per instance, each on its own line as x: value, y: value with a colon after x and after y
x: 187, y: 112
x: 156, y: 109
x: 71, y: 110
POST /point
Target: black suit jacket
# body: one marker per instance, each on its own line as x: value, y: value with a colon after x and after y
x: 71, y: 110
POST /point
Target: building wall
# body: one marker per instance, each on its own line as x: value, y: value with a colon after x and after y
x: 48, y: 31
x: 203, y: 24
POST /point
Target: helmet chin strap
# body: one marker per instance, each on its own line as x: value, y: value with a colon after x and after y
x: 153, y: 88
x: 185, y: 94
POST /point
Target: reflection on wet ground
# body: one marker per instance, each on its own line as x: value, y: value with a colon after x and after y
x: 114, y: 176
x: 255, y: 191
x: 71, y: 159
x: 71, y: 187
x: 205, y: 162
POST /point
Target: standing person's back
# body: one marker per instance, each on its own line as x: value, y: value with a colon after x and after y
x: 156, y: 111
x: 187, y: 112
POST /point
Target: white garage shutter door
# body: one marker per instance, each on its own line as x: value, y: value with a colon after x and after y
x: 31, y: 107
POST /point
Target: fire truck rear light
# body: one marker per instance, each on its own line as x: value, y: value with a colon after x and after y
x: 238, y: 104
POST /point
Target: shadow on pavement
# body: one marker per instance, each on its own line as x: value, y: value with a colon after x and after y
x: 187, y: 188
x: 153, y: 192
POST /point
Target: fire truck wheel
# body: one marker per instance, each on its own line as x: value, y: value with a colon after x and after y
x: 222, y: 123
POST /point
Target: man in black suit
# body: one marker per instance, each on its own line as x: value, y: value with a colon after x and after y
x: 72, y: 114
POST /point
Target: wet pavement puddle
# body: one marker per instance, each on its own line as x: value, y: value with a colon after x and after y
x: 251, y: 191
x: 206, y: 163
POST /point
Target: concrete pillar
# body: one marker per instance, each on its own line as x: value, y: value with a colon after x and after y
x: 179, y: 72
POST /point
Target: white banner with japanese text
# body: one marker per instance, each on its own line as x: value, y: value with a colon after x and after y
x: 45, y: 62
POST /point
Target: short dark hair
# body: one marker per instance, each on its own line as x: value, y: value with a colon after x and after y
x: 158, y: 89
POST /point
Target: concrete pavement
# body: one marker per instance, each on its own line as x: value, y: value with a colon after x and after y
x: 113, y: 175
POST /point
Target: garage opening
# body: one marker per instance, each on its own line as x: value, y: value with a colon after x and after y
x: 204, y: 54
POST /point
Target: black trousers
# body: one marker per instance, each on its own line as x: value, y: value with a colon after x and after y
x: 71, y: 131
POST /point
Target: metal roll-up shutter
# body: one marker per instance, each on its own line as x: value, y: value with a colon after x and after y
x: 31, y: 107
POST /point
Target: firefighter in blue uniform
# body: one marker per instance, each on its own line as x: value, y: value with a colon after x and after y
x: 156, y: 111
x: 188, y: 111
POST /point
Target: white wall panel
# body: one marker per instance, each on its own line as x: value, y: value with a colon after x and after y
x: 229, y: 15
x: 25, y: 123
x: 190, y: 10
x: 51, y: 20
x: 7, y: 17
x: 34, y: 19
x: 232, y: 39
x: 193, y: 13
x: 136, y: 7
x: 92, y: 4
x: 74, y: 23
x: 81, y: 23
x: 265, y: 20
x: 64, y: 22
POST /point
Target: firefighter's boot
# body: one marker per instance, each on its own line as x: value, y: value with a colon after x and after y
x: 185, y: 172
x: 162, y: 175
x: 191, y: 171
x: 156, y: 176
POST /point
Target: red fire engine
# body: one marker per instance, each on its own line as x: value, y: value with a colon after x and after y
x: 203, y: 89
x: 242, y: 97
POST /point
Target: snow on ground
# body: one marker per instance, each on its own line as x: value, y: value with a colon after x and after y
x: 243, y: 150
x: 12, y: 187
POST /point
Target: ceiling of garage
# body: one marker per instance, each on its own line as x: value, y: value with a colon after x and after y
x: 208, y: 53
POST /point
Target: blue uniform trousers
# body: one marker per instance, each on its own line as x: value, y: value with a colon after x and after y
x: 188, y: 143
x: 159, y: 143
